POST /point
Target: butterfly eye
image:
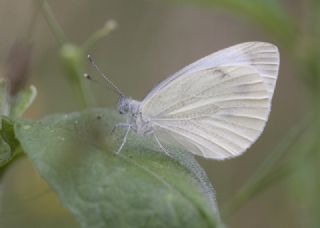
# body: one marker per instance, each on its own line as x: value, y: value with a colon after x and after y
x: 123, y: 105
x: 122, y: 109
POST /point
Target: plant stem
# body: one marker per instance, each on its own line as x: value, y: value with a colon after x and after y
x: 99, y: 34
x: 72, y: 57
x: 53, y: 23
x: 32, y: 23
x: 266, y: 174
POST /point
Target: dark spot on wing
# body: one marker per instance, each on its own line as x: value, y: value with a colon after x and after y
x: 222, y: 73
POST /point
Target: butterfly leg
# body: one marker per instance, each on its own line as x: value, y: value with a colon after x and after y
x: 119, y: 125
x: 124, y: 139
x: 161, y: 146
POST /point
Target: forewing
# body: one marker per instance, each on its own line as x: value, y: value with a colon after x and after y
x: 263, y: 57
x: 216, y: 113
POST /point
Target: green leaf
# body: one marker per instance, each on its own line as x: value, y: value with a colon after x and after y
x: 17, y: 105
x: 5, y: 152
x: 8, y: 134
x: 140, y: 187
x: 9, y: 145
x: 23, y: 101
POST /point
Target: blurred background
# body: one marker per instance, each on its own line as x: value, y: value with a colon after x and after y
x: 274, y: 184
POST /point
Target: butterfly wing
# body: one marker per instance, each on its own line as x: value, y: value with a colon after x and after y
x: 215, y: 113
x: 263, y: 57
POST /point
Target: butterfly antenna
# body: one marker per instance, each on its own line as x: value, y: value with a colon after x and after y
x: 114, y: 88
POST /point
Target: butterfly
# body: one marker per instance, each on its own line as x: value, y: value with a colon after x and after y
x: 216, y: 107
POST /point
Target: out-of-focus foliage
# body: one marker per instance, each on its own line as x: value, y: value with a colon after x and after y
x: 13, y: 106
x: 23, y: 101
x: 267, y: 13
x: 5, y: 152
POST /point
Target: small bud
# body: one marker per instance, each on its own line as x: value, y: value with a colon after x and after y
x: 18, y: 66
x: 111, y: 24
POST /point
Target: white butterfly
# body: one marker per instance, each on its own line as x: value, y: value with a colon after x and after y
x: 216, y: 107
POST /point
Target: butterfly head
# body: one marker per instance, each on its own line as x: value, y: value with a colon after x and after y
x: 128, y: 105
x: 123, y: 105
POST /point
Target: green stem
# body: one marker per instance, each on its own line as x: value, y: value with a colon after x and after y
x: 252, y: 190
x: 99, y: 34
x: 72, y: 58
x: 53, y: 23
x: 267, y: 175
x: 81, y: 87
x: 32, y: 23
